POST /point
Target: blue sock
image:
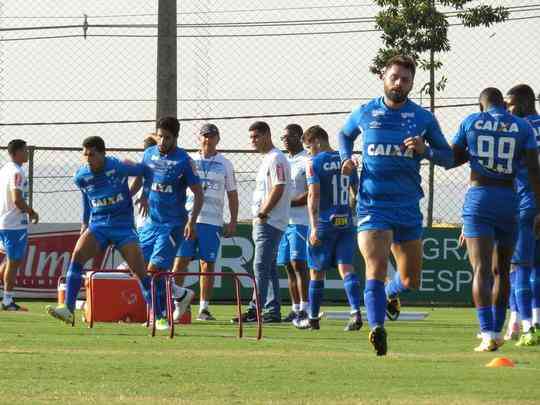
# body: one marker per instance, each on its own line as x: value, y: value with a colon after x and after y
x: 375, y: 302
x: 498, y: 316
x: 535, y: 286
x: 512, y: 297
x: 352, y: 288
x: 523, y: 292
x: 315, y: 297
x: 160, y: 297
x: 395, y: 286
x: 485, y: 318
x: 73, y: 284
x: 145, y: 287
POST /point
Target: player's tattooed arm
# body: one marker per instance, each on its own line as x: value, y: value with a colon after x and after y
x: 461, y: 155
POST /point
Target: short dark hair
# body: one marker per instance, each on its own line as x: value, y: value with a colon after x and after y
x: 404, y: 61
x: 15, y: 145
x: 492, y: 96
x: 315, y: 132
x: 149, y: 141
x: 96, y: 142
x: 294, y: 129
x: 170, y: 124
x: 260, y: 127
x: 525, y: 94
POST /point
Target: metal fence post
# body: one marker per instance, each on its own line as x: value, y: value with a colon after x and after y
x: 431, y: 179
x: 31, y: 150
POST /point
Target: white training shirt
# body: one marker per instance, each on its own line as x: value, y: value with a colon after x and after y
x: 274, y: 170
x: 217, y: 178
x: 298, y: 162
x: 12, y: 177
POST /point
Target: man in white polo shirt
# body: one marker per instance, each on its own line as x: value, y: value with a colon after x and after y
x: 14, y: 214
x: 270, y: 209
x: 293, y: 246
x: 217, y: 177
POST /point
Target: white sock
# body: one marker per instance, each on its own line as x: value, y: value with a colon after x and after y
x: 8, y: 298
x: 303, y: 306
x: 203, y: 305
x: 536, y: 316
x: 296, y: 307
x: 488, y: 335
x: 514, y: 318
x: 526, y: 324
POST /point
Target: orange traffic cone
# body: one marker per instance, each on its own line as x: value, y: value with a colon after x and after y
x: 500, y: 362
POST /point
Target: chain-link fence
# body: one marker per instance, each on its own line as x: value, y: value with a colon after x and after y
x: 75, y: 69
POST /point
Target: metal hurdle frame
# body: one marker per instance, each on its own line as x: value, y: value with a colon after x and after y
x: 169, y: 276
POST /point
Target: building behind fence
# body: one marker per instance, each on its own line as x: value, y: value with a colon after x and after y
x: 281, y: 61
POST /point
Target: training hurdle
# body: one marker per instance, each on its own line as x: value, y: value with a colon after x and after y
x: 169, y: 276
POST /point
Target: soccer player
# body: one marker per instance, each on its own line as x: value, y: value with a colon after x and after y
x: 171, y: 172
x: 394, y: 130
x: 107, y: 219
x: 520, y: 101
x: 292, y: 248
x: 217, y: 177
x: 14, y: 215
x: 270, y: 209
x: 331, y: 228
x: 494, y: 142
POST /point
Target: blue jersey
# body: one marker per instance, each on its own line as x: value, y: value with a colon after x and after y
x: 325, y: 169
x: 496, y: 141
x: 390, y: 175
x: 106, y: 196
x: 166, y: 183
x: 527, y: 201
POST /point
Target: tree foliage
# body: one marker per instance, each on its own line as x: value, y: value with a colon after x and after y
x: 416, y: 27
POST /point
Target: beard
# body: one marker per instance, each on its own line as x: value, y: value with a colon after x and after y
x: 397, y: 96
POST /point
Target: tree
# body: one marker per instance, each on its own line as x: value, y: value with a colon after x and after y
x: 418, y: 29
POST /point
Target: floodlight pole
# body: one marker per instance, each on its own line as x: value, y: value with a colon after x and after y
x: 166, y: 59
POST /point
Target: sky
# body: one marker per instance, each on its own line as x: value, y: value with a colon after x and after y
x: 322, y: 68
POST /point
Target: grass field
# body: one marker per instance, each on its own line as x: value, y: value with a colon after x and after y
x: 431, y: 361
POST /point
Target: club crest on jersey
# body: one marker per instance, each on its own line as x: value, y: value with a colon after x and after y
x: 496, y: 126
x: 162, y: 188
x: 103, y: 202
x: 380, y: 149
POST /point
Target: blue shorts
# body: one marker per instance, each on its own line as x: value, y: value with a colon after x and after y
x: 113, y: 235
x: 337, y: 247
x: 14, y: 242
x: 526, y: 240
x: 404, y: 222
x: 160, y: 243
x: 490, y: 212
x: 205, y: 246
x: 293, y: 245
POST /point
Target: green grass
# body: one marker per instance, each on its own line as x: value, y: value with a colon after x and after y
x: 44, y: 361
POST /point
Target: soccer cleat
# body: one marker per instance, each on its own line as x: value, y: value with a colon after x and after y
x: 247, y: 317
x: 355, y: 323
x: 13, y: 307
x: 306, y: 323
x: 393, y: 308
x: 271, y: 318
x: 181, y: 304
x: 291, y: 317
x: 162, y: 324
x: 377, y: 337
x: 528, y: 339
x: 487, y: 345
x: 205, y: 315
x: 61, y: 312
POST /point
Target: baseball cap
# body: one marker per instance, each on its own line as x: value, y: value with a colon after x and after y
x: 209, y: 129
